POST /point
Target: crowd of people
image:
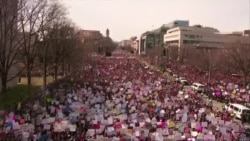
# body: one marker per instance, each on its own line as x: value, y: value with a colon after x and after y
x: 230, y: 85
x: 118, y: 98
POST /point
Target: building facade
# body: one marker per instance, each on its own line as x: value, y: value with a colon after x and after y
x: 197, y: 35
x: 90, y: 36
x: 133, y: 42
x: 155, y: 38
x: 125, y: 43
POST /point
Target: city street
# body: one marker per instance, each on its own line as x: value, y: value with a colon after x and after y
x: 124, y: 97
x: 93, y: 70
x: 216, y: 105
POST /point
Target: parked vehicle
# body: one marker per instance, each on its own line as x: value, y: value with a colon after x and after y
x: 237, y: 109
x: 198, y: 87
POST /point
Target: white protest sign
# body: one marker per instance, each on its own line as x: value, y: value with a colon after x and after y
x: 193, y: 125
x: 177, y: 116
x: 142, y: 124
x: 48, y: 120
x: 209, y: 137
x: 110, y: 129
x: 165, y: 131
x: 118, y: 106
x: 137, y: 133
x: 208, y: 117
x: 186, y: 109
x: 159, y: 137
x: 204, y: 124
x: 90, y: 132
x: 180, y: 92
x: 134, y: 116
x: 110, y: 120
x: 51, y: 119
x: 134, y: 121
x: 223, y: 130
x: 64, y: 123
x: 184, y: 118
x: 58, y: 127
x: 72, y: 128
x: 16, y: 126
x: 47, y: 127
x: 104, y: 121
x: 124, y: 126
x: 202, y: 110
x: 236, y: 128
x: 194, y: 133
x: 221, y: 122
x: 60, y: 114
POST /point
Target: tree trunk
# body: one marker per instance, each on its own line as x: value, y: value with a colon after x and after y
x: 63, y: 68
x: 4, y: 78
x: 44, y: 69
x: 45, y: 75
x: 55, y: 72
x: 69, y: 69
x: 29, y: 79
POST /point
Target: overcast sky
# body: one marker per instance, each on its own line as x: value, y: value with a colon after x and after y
x: 126, y: 18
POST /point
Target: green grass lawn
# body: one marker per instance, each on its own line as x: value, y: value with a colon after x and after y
x: 15, y: 95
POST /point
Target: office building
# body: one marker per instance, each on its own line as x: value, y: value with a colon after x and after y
x: 198, y: 35
x: 155, y: 38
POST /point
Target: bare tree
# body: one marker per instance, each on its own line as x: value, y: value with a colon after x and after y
x: 31, y: 26
x: 10, y: 40
x: 60, y: 42
x: 48, y: 18
x: 173, y: 52
x: 238, y: 57
x: 154, y: 51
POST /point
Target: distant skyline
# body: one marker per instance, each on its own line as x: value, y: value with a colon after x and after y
x: 126, y: 18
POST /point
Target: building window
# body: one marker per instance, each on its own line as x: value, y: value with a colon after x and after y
x: 185, y: 41
x: 192, y: 36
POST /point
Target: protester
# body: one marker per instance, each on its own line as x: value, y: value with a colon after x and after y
x: 120, y: 98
